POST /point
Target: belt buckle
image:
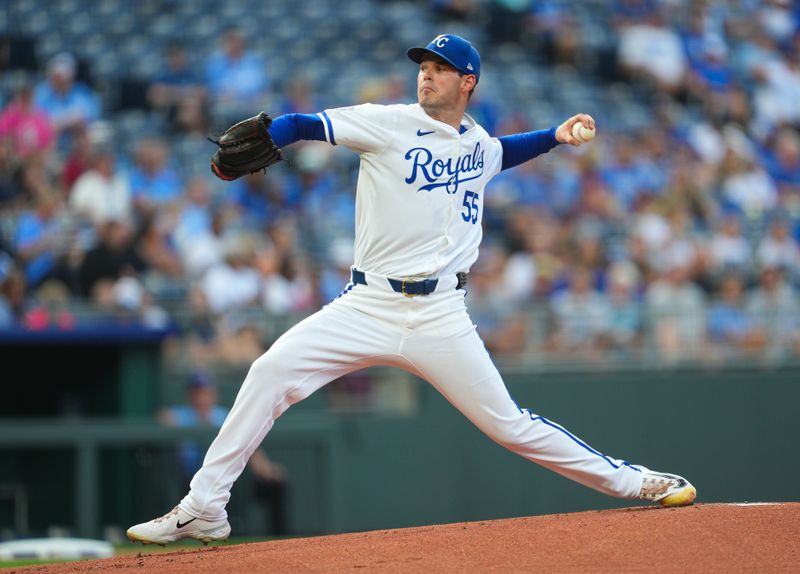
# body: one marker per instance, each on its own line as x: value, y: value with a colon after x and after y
x: 409, y: 280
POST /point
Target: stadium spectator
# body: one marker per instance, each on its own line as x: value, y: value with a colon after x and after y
x: 699, y: 33
x: 675, y: 309
x: 285, y: 278
x: 535, y: 241
x: 745, y: 185
x: 70, y: 104
x: 135, y: 306
x: 335, y: 271
x: 682, y: 247
x: 178, y: 91
x: 627, y: 173
x: 234, y: 338
x: 625, y: 325
x: 689, y: 187
x: 588, y: 248
x: 300, y: 97
x: 549, y: 25
x: 112, y: 257
x: 193, y: 214
x: 530, y: 185
x: 651, y: 52
x: 777, y: 92
x: 26, y: 126
x: 154, y: 183
x: 751, y: 48
x: 199, y: 332
x: 49, y: 309
x: 782, y: 162
x: 42, y: 238
x: 78, y: 158
x: 651, y: 230
x: 236, y: 79
x: 518, y: 281
x: 101, y: 193
x: 711, y: 73
x: 327, y: 208
x: 774, y: 306
x: 8, y: 315
x: 728, y: 249
x: 732, y: 329
x: 233, y: 283
x: 13, y: 289
x: 154, y: 246
x: 205, y: 248
x: 779, y: 249
x: 202, y: 409
x: 499, y: 322
x: 777, y: 19
x: 259, y: 200
x: 11, y: 192
x: 582, y: 317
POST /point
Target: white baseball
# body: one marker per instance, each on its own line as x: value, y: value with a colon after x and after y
x: 582, y: 133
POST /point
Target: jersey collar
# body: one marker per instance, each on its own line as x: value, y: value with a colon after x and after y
x: 467, y: 122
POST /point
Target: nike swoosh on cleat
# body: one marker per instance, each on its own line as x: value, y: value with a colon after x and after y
x: 421, y: 133
x: 179, y: 525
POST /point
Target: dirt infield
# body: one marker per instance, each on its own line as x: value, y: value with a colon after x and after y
x: 701, y: 538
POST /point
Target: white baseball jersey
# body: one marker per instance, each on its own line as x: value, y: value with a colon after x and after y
x: 419, y: 199
x: 418, y: 213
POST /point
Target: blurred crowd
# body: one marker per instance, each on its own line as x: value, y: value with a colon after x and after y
x: 676, y: 240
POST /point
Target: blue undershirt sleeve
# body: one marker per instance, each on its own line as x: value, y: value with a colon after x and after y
x: 290, y: 128
x: 519, y: 148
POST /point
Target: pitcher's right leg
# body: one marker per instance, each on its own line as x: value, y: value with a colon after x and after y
x: 334, y: 341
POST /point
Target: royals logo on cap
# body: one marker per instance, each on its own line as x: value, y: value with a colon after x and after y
x: 453, y: 49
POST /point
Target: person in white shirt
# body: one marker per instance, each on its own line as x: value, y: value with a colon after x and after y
x: 101, y: 194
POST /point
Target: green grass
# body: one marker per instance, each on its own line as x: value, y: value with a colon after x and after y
x: 128, y: 548
x: 31, y: 562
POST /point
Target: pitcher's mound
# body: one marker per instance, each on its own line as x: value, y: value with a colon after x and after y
x: 757, y: 537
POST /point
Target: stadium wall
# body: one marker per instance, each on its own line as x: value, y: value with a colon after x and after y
x: 733, y: 432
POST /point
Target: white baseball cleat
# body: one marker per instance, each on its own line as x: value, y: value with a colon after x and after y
x: 178, y: 524
x: 666, y: 489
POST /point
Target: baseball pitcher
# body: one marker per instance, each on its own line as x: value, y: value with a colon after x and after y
x: 419, y: 203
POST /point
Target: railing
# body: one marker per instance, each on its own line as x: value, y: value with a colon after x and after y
x: 87, y: 437
x: 531, y: 335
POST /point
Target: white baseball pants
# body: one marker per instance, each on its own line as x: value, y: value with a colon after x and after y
x: 430, y: 336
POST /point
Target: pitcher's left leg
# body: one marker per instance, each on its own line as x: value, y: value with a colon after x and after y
x: 461, y: 369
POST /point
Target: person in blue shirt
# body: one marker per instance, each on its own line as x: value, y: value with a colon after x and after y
x: 38, y: 240
x: 68, y: 103
x: 730, y: 326
x: 259, y: 201
x: 178, y: 90
x: 154, y: 183
x: 236, y: 79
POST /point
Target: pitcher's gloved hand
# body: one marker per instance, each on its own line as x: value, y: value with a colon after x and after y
x: 245, y: 148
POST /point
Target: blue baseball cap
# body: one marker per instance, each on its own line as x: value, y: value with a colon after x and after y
x: 199, y: 380
x: 454, y: 50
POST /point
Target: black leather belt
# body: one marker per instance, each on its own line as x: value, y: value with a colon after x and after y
x: 409, y: 286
